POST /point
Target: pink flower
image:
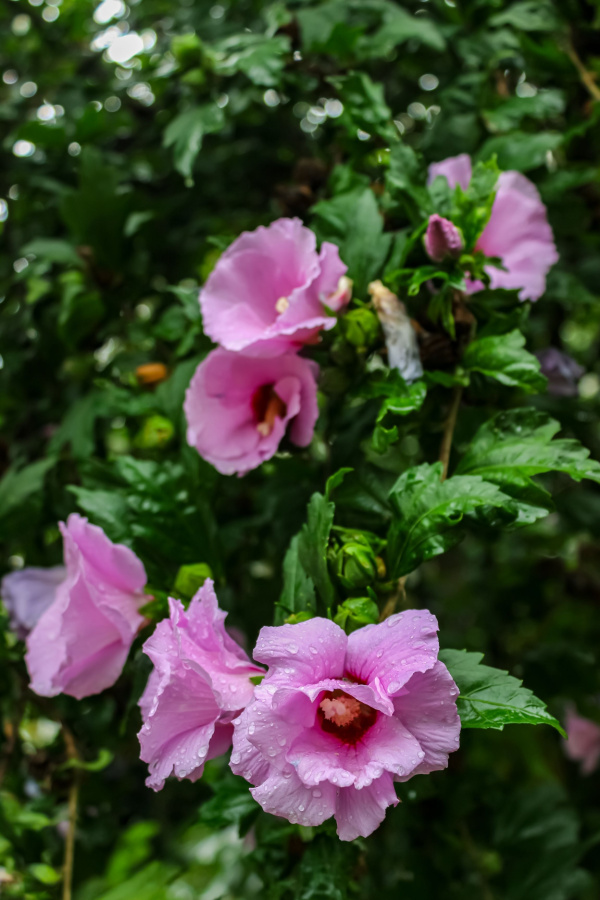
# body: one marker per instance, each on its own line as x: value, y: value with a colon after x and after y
x: 200, y: 682
x: 583, y: 741
x: 271, y: 291
x: 27, y: 593
x: 518, y: 230
x: 339, y: 718
x: 239, y: 407
x: 442, y: 239
x: 80, y: 644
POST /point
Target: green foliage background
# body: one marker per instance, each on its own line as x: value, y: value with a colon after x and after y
x: 131, y: 181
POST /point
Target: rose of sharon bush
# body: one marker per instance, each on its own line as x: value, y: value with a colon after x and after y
x: 200, y: 682
x: 80, y: 643
x: 271, y: 291
x: 339, y: 718
x: 518, y: 230
x: 238, y: 407
x: 27, y: 593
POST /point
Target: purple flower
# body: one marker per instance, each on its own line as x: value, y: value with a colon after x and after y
x: 200, y: 682
x: 583, y: 741
x: 27, y: 593
x: 238, y: 407
x: 271, y: 292
x: 562, y: 372
x: 339, y: 718
x: 80, y: 643
x: 442, y: 239
x: 518, y: 230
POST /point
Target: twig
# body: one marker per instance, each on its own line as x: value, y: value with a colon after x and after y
x: 399, y: 594
x: 588, y: 79
x: 72, y: 822
x: 446, y: 445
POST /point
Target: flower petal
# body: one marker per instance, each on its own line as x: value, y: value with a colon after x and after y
x: 359, y: 812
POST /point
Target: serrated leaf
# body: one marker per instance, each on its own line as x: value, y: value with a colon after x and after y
x: 259, y: 57
x: 528, y: 15
x: 520, y: 150
x: 298, y: 592
x: 429, y: 511
x: 354, y: 223
x: 186, y: 133
x: 312, y: 546
x: 365, y: 106
x: 504, y: 358
x: 491, y: 698
x: 518, y: 444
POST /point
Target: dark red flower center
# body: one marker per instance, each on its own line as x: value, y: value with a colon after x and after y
x: 267, y: 406
x: 344, y: 716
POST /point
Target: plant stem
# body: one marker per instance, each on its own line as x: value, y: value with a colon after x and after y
x: 399, y: 594
x: 588, y: 79
x: 72, y: 825
x: 446, y: 445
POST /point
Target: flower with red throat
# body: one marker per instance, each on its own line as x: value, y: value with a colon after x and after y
x: 239, y: 407
x: 518, y: 230
x: 271, y: 291
x: 339, y: 718
x: 80, y: 643
x: 200, y: 682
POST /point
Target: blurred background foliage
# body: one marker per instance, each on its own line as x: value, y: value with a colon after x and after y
x: 138, y: 139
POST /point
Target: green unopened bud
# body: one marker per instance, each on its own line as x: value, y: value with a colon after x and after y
x: 361, y: 328
x: 355, y: 564
x: 190, y: 579
x: 155, y: 432
x: 357, y: 612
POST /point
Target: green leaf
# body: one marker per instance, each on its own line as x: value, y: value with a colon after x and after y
x: 312, y: 546
x: 305, y: 564
x: 519, y: 150
x: 491, y: 698
x: 398, y: 26
x: 318, y: 22
x: 186, y: 133
x: 365, y: 107
x: 335, y: 480
x: 54, y: 250
x: 354, y: 223
x: 528, y: 15
x: 298, y: 593
x: 80, y: 310
x: 232, y: 804
x: 516, y: 445
x: 427, y: 513
x: 149, y: 884
x: 508, y: 115
x: 404, y: 180
x: 20, y: 488
x: 44, y: 873
x: 504, y: 358
x: 108, y: 509
x: 260, y: 58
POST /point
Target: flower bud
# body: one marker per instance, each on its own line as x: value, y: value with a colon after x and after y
x: 361, y: 327
x: 356, y: 612
x: 355, y: 564
x: 442, y: 239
